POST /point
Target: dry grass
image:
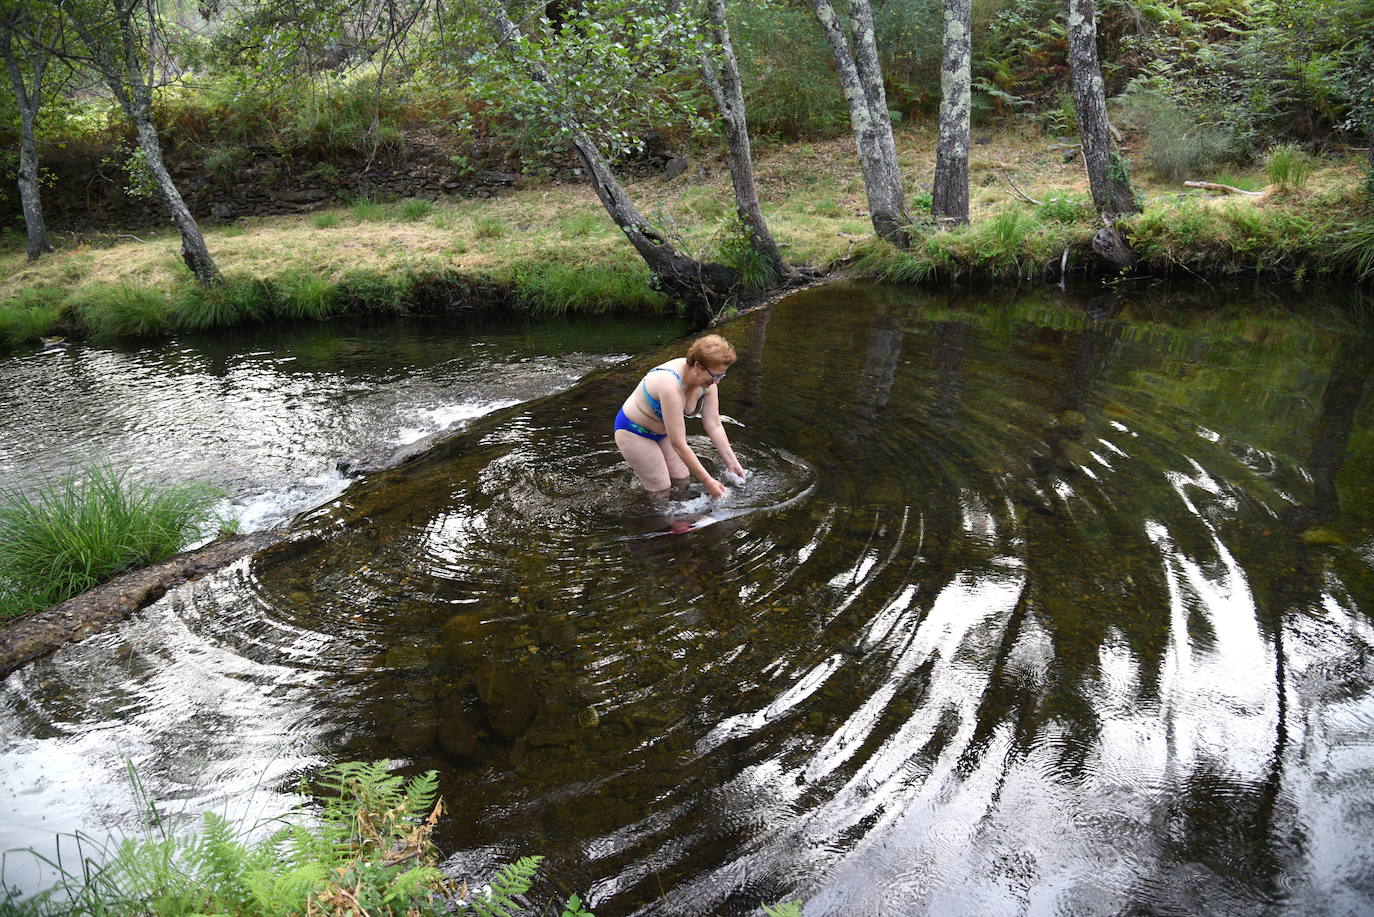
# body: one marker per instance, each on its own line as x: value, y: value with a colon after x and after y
x: 813, y: 197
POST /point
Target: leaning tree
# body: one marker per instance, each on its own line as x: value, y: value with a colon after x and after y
x: 126, y: 43
x: 584, y: 79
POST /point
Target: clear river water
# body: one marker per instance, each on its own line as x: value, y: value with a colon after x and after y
x: 1032, y: 603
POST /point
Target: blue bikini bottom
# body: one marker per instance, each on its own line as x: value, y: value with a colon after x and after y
x: 624, y: 423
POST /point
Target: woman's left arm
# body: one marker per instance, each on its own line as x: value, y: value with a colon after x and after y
x: 710, y: 419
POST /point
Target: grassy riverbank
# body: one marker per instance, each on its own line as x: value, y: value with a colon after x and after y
x: 550, y: 248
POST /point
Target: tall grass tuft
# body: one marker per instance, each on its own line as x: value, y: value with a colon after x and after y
x: 1354, y: 249
x: 234, y: 300
x: 303, y: 295
x: 369, y: 211
x: 554, y: 288
x: 29, y: 315
x: 66, y: 535
x: 1289, y: 166
x: 124, y: 310
x: 488, y: 226
x: 414, y: 209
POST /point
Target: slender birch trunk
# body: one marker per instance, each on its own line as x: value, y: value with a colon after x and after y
x: 728, y: 92
x: 1111, y: 186
x: 949, y: 194
x: 697, y: 282
x: 123, y: 53
x: 869, y: 121
x: 30, y: 100
x: 193, y: 248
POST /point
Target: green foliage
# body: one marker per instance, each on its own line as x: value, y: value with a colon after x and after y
x: 611, y: 70
x: 235, y: 300
x: 132, y: 165
x: 326, y: 220
x: 922, y: 202
x: 365, y: 290
x: 124, y: 310
x: 1065, y: 208
x: 789, y: 82
x: 369, y: 211
x: 225, y: 162
x: 489, y: 226
x: 305, y: 295
x: 414, y: 209
x: 785, y: 909
x: 550, y: 287
x: 1289, y: 166
x: 500, y: 899
x: 1354, y: 249
x: 30, y: 315
x: 734, y: 249
x: 1177, y: 146
x: 60, y: 537
x: 574, y: 908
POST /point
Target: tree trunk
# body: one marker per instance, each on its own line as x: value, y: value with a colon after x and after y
x: 29, y: 102
x: 728, y: 93
x: 861, y: 80
x: 698, y: 283
x: 193, y: 249
x: 949, y: 194
x: 1107, y: 170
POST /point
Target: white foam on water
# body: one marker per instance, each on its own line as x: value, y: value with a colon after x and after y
x: 446, y: 416
x: 256, y: 512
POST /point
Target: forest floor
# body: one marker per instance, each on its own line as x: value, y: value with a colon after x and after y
x: 813, y: 197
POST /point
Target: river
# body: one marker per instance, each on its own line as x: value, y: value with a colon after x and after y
x: 1032, y: 604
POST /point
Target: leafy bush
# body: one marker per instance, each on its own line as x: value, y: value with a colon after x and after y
x: 1177, y: 146
x: 734, y: 249
x: 60, y: 537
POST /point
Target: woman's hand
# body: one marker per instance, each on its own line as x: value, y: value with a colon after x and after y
x: 738, y: 471
x: 713, y: 487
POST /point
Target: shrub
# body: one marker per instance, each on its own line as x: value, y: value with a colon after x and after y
x: 225, y: 163
x: 1354, y: 249
x: 61, y: 537
x: 734, y: 249
x: 1177, y: 146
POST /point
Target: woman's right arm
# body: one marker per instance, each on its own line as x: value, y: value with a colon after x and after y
x: 671, y: 397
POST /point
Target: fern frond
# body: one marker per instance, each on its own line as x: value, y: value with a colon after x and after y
x: 510, y: 881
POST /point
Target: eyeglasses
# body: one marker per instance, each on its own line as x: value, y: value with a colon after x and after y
x: 715, y: 377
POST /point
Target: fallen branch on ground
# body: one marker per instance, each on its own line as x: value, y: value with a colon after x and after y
x: 1213, y: 186
x: 1023, y: 194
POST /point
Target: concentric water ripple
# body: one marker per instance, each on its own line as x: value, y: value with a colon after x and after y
x: 1021, y: 611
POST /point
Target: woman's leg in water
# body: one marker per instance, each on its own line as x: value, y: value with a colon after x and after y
x: 677, y: 471
x: 645, y: 459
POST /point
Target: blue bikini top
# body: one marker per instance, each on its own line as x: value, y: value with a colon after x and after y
x: 656, y: 406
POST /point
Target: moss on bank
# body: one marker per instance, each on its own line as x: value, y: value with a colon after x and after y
x: 550, y: 249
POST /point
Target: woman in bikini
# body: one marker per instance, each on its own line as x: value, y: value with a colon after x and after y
x: 651, y: 429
